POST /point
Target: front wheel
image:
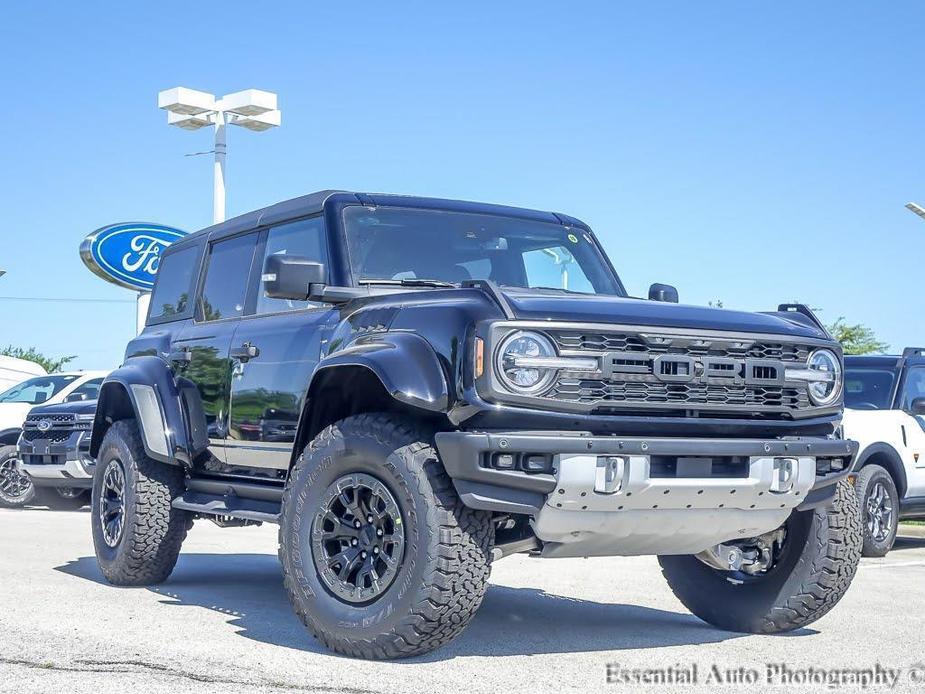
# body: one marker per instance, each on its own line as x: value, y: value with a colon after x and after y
x: 879, y: 502
x: 815, y: 566
x: 136, y: 531
x: 380, y: 557
x: 16, y: 490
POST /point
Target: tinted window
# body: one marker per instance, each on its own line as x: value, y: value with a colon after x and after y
x: 36, y: 390
x: 869, y: 389
x: 303, y: 238
x: 915, y: 386
x: 91, y: 388
x: 225, y: 286
x: 391, y: 243
x: 174, y: 278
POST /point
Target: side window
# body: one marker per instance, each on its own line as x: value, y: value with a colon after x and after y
x: 171, y: 295
x: 555, y: 267
x: 225, y: 285
x: 914, y: 386
x: 91, y: 388
x: 303, y: 238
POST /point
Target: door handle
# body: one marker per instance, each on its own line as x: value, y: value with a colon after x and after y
x: 245, y: 352
x: 180, y: 356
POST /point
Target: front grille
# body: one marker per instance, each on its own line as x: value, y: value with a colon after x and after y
x: 52, y: 436
x: 654, y: 371
x: 60, y: 429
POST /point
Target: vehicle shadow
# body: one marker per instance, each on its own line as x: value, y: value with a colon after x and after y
x: 907, y: 542
x: 512, y: 621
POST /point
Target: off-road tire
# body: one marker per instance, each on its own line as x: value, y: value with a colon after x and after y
x: 816, y: 566
x: 444, y: 572
x: 153, y: 530
x: 8, y: 453
x: 867, y: 479
x: 50, y: 497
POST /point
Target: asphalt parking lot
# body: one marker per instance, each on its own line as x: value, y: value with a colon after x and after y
x: 222, y: 623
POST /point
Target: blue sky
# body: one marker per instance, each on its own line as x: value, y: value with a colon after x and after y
x: 750, y: 153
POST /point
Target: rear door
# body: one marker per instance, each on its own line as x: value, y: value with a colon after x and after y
x: 285, y: 338
x: 201, y: 349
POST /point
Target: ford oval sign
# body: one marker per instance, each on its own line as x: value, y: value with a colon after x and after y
x: 128, y: 254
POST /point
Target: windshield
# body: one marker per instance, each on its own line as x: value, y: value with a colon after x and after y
x: 394, y: 244
x: 869, y: 389
x: 35, y: 391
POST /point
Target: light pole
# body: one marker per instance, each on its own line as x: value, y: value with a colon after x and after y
x: 917, y: 209
x: 190, y: 109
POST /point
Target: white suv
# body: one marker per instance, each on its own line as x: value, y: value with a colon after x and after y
x: 15, y: 489
x: 885, y: 414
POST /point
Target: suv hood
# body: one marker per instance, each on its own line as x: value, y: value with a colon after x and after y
x: 77, y: 407
x: 542, y: 306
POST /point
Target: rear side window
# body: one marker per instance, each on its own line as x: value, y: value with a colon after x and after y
x: 225, y: 286
x: 171, y: 296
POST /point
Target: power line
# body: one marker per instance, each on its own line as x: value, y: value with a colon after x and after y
x: 66, y: 300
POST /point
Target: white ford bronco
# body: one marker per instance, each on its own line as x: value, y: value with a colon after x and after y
x: 885, y: 397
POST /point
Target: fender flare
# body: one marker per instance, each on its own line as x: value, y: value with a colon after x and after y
x: 405, y: 364
x: 895, y: 463
x: 147, y: 386
x: 12, y: 431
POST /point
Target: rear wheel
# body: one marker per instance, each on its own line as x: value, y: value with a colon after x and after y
x: 137, y: 533
x: 16, y: 490
x: 380, y: 557
x: 879, y: 502
x: 810, y: 574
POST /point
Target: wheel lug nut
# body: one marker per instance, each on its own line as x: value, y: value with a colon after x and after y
x: 379, y: 532
x: 354, y: 542
x: 357, y: 524
x: 363, y: 554
x: 369, y: 519
x: 375, y: 550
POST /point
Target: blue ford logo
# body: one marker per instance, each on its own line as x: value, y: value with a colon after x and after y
x: 128, y: 254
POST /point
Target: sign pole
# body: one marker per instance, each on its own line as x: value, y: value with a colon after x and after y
x: 218, y: 183
x: 141, y: 310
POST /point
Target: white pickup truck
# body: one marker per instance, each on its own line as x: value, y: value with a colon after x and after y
x: 16, y: 489
x: 885, y: 414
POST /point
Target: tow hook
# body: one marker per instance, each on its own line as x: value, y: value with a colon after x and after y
x: 752, y: 556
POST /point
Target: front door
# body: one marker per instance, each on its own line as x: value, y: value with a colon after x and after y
x: 913, y: 429
x: 201, y: 350
x: 277, y: 350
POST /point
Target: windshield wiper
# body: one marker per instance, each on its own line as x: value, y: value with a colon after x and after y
x: 547, y: 289
x: 410, y: 282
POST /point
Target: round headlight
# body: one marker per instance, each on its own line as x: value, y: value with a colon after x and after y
x: 827, y: 387
x: 513, y: 362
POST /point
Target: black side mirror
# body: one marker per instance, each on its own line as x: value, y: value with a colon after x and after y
x: 917, y: 406
x: 293, y: 277
x: 75, y: 397
x: 663, y: 292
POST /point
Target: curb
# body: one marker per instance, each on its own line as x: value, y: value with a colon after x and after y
x: 907, y: 530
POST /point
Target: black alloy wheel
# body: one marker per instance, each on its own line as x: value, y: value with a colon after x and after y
x: 112, y: 502
x: 357, y: 538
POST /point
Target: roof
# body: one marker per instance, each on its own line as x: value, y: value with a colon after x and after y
x: 886, y: 361
x: 314, y: 202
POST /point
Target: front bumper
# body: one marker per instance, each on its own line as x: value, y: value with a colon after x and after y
x: 612, y: 495
x: 64, y: 464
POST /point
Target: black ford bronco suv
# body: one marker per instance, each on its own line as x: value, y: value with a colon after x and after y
x: 414, y: 388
